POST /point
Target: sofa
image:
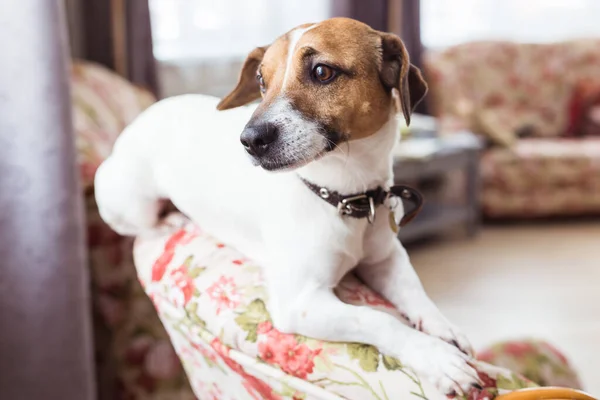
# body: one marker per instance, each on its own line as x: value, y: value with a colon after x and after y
x: 524, y: 99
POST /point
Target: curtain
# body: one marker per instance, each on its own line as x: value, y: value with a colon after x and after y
x: 140, y: 57
x: 118, y: 34
x: 410, y: 30
x: 373, y: 12
x: 46, y: 347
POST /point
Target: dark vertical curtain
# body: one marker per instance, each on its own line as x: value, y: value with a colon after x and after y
x: 118, y: 34
x: 45, y: 307
x: 410, y: 30
x: 141, y: 64
x: 96, y: 35
x: 376, y: 13
x: 372, y: 12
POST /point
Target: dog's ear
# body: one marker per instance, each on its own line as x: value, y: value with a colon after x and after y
x: 396, y: 71
x: 247, y: 88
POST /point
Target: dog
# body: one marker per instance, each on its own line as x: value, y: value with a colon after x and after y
x: 325, y: 129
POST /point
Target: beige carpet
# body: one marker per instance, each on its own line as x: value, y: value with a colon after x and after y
x: 529, y: 280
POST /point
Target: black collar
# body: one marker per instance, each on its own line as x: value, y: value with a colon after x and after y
x: 363, y: 205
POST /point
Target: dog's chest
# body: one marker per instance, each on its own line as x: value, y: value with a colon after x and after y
x: 349, y: 245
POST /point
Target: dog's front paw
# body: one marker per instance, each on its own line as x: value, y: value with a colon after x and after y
x: 442, y: 364
x: 443, y: 329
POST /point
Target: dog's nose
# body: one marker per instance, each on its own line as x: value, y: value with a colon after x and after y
x: 257, y: 139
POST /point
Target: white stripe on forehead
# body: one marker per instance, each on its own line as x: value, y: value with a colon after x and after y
x: 295, y: 36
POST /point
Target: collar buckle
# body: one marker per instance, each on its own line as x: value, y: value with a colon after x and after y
x: 348, y: 205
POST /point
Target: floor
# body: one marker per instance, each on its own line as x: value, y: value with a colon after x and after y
x: 514, y: 281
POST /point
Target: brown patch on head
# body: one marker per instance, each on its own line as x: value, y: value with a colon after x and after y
x: 352, y: 49
x: 367, y: 66
x: 368, y: 63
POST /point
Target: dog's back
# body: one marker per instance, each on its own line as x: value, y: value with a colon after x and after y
x: 184, y: 149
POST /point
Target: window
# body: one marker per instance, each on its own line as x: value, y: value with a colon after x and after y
x: 446, y: 23
x: 208, y: 29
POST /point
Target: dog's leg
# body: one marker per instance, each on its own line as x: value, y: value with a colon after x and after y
x: 125, y: 194
x: 318, y: 313
x: 395, y: 278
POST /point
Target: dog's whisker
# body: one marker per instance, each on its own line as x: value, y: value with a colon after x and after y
x: 335, y: 145
x: 345, y: 154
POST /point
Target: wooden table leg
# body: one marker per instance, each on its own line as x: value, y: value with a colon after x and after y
x: 473, y: 193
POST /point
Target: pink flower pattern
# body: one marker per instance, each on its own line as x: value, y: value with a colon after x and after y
x: 255, y: 386
x: 357, y: 293
x: 284, y: 350
x: 224, y: 293
x: 184, y: 283
x: 181, y: 237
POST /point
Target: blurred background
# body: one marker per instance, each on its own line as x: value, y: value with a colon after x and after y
x: 506, y: 149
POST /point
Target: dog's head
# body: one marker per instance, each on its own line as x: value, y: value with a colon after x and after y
x: 322, y: 84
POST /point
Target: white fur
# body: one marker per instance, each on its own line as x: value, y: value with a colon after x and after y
x: 185, y: 150
x: 295, y: 36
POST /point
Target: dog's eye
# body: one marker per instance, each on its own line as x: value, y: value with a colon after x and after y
x: 324, y: 73
x: 261, y: 82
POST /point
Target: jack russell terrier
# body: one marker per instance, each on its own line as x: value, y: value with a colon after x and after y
x: 327, y: 123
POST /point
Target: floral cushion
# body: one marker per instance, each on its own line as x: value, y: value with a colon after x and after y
x: 211, y: 300
x: 540, y: 177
